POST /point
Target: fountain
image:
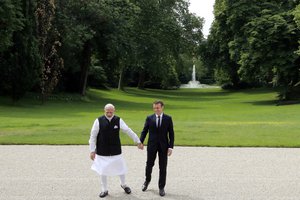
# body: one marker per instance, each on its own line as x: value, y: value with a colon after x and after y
x: 194, y: 83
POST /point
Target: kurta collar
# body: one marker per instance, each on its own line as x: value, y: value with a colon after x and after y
x: 109, y: 118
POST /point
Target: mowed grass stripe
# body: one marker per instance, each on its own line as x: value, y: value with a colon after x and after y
x: 202, y: 117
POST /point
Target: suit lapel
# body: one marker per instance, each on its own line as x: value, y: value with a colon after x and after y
x: 163, y: 120
x: 154, y: 120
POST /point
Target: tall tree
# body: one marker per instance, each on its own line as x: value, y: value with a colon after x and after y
x: 269, y: 55
x: 227, y: 36
x: 165, y: 29
x: 99, y: 28
x: 79, y: 21
x: 254, y: 41
x: 20, y: 59
x: 120, y: 39
x: 49, y: 43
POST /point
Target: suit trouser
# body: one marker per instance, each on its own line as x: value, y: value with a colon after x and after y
x: 163, y: 160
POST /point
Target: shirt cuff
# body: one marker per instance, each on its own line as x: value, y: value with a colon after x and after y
x: 93, y: 151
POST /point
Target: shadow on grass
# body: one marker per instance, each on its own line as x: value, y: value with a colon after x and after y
x: 256, y: 91
x: 273, y: 103
x: 180, y: 95
x: 264, y: 103
x: 142, y: 106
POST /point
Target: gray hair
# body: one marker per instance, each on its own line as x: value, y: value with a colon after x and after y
x: 108, y: 106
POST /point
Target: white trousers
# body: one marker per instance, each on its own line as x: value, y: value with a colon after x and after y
x: 104, y: 185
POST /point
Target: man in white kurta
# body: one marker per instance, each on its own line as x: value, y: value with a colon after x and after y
x: 105, y: 148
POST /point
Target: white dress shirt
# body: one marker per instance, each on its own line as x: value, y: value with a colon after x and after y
x: 123, y: 127
x: 161, y: 116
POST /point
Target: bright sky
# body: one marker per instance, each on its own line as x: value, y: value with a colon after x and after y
x: 203, y: 8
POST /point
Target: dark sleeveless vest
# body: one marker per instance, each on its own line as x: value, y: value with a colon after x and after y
x: 108, y: 139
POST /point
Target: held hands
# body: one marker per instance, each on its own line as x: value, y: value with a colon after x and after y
x: 92, y: 155
x: 140, y: 146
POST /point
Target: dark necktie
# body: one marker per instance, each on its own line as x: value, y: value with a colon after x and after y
x: 158, y: 124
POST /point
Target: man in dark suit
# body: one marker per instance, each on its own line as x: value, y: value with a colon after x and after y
x: 161, y: 141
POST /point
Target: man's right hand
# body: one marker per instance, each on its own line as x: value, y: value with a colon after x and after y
x: 141, y: 146
x: 92, y: 155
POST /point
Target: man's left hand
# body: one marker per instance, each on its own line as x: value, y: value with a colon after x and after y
x: 170, y: 151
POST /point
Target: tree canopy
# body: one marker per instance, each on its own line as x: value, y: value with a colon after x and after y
x: 49, y: 46
x: 255, y: 43
x: 70, y: 45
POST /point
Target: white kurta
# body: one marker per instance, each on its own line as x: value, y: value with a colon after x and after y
x: 109, y: 165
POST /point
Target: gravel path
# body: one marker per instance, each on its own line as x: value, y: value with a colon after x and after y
x: 194, y: 173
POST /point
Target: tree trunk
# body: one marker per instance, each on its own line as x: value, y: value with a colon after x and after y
x: 235, y: 79
x: 141, y: 79
x: 120, y: 85
x: 85, y: 63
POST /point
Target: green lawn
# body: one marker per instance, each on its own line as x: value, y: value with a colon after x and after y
x: 202, y: 117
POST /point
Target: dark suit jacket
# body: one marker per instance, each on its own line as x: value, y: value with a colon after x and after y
x: 163, y: 137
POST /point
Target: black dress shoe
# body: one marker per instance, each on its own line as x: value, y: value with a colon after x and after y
x: 103, y: 194
x: 126, y: 189
x: 162, y: 192
x: 145, y: 186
